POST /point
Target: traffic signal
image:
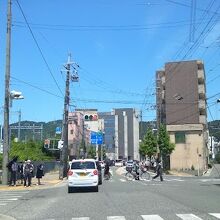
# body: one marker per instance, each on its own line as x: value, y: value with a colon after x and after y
x: 91, y: 117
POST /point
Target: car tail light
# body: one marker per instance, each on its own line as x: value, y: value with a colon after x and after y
x: 95, y: 172
x: 70, y: 173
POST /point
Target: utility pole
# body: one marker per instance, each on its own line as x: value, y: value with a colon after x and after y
x: 7, y: 99
x: 64, y: 149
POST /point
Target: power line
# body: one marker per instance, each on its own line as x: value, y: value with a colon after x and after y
x: 36, y: 87
x: 64, y: 27
x: 41, y: 52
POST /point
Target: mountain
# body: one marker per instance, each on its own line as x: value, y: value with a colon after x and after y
x: 32, y: 130
x: 49, y: 129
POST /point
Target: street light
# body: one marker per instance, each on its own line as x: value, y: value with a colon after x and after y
x: 9, y: 96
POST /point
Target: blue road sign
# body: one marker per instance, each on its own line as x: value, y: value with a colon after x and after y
x: 96, y: 138
x: 99, y: 138
x: 58, y: 130
x: 93, y: 138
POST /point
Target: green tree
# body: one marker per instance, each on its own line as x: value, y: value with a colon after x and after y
x: 165, y: 146
x: 149, y: 144
x: 30, y: 150
x: 91, y: 152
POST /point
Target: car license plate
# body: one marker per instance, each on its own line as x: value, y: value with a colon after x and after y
x: 82, y: 174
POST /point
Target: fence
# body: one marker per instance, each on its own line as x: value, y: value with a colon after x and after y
x: 48, y: 167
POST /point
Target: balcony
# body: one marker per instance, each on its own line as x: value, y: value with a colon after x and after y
x: 163, y: 80
x: 202, y: 105
x: 201, y: 77
x: 202, y: 119
x: 201, y: 91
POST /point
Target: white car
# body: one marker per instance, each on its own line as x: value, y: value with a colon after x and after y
x: 83, y: 173
x: 119, y: 163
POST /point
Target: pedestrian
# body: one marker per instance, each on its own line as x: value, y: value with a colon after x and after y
x: 14, y: 170
x: 21, y: 172
x: 159, y: 170
x: 39, y: 173
x: 28, y: 173
x: 136, y: 170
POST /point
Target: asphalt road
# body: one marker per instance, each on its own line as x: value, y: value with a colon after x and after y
x: 188, y: 198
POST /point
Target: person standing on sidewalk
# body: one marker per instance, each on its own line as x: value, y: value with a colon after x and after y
x: 14, y: 170
x: 21, y: 172
x: 159, y: 170
x: 28, y: 173
x: 39, y: 173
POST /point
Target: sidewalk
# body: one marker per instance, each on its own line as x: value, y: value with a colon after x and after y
x: 49, y: 180
x: 179, y: 173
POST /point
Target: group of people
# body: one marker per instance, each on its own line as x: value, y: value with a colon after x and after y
x: 23, y: 171
x: 158, y: 168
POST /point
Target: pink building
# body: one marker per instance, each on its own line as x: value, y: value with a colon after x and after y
x: 76, y: 133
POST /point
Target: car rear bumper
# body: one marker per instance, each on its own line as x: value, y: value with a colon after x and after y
x: 82, y: 183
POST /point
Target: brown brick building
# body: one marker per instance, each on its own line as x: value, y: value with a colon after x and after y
x: 181, y: 106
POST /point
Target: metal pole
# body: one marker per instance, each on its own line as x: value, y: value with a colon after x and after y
x: 7, y: 99
x: 19, y: 125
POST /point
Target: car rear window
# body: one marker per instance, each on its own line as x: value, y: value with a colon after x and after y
x: 83, y: 165
x: 118, y: 161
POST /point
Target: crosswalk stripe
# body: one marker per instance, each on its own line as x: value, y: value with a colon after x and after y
x: 9, y: 196
x: 1, y: 204
x: 217, y: 215
x: 188, y: 217
x: 122, y: 180
x: 151, y: 217
x: 81, y: 218
x: 11, y: 199
x: 116, y: 218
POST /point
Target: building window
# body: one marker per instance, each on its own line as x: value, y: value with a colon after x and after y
x: 71, y: 131
x: 180, y: 137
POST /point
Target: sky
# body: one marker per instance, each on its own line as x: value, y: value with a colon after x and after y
x: 118, y: 46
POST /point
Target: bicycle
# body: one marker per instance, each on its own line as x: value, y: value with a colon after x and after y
x: 144, y: 175
x: 131, y: 175
x: 108, y: 176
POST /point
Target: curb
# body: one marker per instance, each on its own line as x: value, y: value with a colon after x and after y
x: 33, y: 186
x: 6, y: 217
x: 50, y: 181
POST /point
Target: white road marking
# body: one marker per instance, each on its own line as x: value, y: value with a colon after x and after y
x: 116, y: 218
x: 209, y: 180
x: 122, y: 180
x: 81, y: 218
x: 9, y: 196
x: 188, y: 217
x: 1, y: 204
x: 11, y: 199
x: 151, y: 217
x: 217, y: 215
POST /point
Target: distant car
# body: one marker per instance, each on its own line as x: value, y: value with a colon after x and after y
x: 129, y: 165
x: 119, y: 163
x: 83, y: 173
x: 99, y: 171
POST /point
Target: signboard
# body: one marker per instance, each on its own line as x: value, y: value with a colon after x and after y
x: 99, y: 138
x: 96, y: 138
x: 58, y: 130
